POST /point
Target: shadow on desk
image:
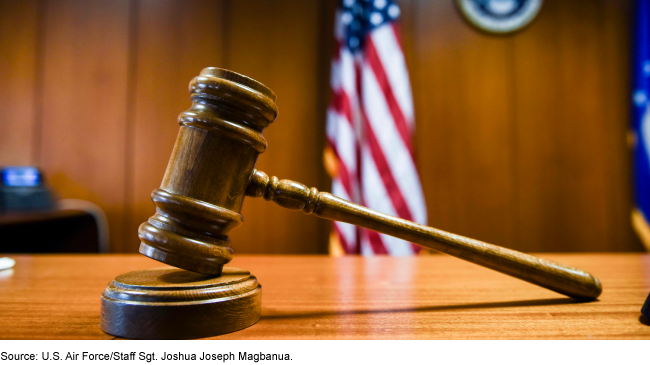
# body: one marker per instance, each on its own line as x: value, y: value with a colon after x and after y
x: 519, y: 303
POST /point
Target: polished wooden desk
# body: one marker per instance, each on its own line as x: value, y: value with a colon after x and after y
x: 319, y: 297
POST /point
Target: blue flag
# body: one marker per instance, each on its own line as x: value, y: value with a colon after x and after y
x: 641, y: 122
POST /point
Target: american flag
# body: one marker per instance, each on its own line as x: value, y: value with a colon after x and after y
x: 370, y: 125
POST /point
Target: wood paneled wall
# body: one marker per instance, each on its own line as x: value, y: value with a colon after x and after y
x: 521, y: 140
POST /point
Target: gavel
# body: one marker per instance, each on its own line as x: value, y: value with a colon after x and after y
x: 212, y: 168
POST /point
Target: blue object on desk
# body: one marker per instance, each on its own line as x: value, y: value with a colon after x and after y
x: 645, y: 310
x: 22, y: 188
x: 32, y: 221
x: 15, y: 176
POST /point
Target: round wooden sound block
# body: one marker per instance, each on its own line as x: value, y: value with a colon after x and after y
x: 171, y: 303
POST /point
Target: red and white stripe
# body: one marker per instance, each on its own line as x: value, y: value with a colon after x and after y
x: 370, y: 126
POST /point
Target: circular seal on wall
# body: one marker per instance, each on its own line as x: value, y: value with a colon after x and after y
x: 499, y: 16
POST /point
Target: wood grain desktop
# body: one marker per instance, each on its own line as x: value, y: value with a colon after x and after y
x: 321, y: 297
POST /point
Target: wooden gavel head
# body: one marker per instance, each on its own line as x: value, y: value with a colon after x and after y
x: 201, y: 195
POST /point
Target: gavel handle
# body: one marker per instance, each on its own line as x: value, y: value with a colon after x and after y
x: 296, y: 196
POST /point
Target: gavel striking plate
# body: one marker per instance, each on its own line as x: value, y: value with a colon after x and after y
x: 211, y: 170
